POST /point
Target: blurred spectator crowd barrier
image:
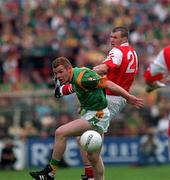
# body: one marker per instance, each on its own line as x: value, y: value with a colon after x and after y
x: 39, y: 113
x: 36, y: 152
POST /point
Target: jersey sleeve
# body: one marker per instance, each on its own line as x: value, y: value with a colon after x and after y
x: 91, y: 80
x: 66, y: 89
x: 114, y: 58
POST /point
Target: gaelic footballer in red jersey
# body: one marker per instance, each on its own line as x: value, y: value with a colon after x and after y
x: 122, y: 65
x: 158, y: 70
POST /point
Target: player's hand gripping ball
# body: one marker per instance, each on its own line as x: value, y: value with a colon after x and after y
x: 91, y: 141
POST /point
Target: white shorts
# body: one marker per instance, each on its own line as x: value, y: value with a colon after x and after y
x: 115, y: 104
x: 98, y: 119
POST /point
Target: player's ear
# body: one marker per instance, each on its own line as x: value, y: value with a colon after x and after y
x: 70, y: 71
x: 69, y: 68
x: 124, y: 39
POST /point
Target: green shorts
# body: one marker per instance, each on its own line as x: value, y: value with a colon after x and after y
x: 98, y: 119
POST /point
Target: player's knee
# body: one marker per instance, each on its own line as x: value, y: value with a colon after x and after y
x: 93, y: 158
x: 59, y: 133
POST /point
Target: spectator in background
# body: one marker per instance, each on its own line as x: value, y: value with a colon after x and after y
x: 48, y: 125
x: 148, y: 148
x: 135, y: 124
x: 11, y: 68
x: 42, y: 107
x: 3, y: 127
x: 163, y: 123
x: 8, y: 157
x: 28, y: 130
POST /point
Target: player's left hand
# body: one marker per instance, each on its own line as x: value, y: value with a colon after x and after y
x: 135, y: 101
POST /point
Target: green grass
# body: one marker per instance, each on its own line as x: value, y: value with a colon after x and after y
x: 112, y: 173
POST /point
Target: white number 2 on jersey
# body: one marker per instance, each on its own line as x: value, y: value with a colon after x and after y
x: 132, y: 58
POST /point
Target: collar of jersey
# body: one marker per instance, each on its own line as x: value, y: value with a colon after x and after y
x: 125, y: 44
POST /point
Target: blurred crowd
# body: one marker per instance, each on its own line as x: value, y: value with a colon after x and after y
x: 34, y: 32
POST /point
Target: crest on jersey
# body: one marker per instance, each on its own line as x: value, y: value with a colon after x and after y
x: 91, y: 79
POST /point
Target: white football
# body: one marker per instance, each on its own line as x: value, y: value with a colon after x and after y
x: 91, y: 140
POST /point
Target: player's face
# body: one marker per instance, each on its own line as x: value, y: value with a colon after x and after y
x: 116, y: 39
x: 62, y: 74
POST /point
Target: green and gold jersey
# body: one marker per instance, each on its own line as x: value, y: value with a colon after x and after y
x: 88, y: 87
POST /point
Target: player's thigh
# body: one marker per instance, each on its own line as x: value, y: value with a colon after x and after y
x: 74, y: 128
x: 115, y: 104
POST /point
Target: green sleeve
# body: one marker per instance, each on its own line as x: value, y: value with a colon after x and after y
x: 90, y: 80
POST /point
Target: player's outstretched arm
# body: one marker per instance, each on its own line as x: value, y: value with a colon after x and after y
x: 135, y: 101
x: 101, y: 69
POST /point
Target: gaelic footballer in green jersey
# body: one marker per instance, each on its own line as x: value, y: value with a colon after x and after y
x: 89, y: 88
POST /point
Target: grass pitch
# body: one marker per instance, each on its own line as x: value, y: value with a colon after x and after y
x: 112, y: 173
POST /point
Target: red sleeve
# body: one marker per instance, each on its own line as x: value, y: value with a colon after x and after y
x: 109, y: 63
x: 149, y: 78
x: 66, y: 89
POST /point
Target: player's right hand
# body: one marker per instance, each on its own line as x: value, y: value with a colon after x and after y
x: 57, y: 91
x: 135, y: 101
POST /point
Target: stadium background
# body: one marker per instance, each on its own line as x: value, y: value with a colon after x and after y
x: 34, y: 32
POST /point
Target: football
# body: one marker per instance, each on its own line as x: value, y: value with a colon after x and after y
x: 91, y: 141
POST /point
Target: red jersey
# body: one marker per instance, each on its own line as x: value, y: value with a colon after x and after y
x: 123, y: 66
x: 166, y: 52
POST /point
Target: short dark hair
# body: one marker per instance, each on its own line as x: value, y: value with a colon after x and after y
x: 61, y: 61
x: 124, y: 31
